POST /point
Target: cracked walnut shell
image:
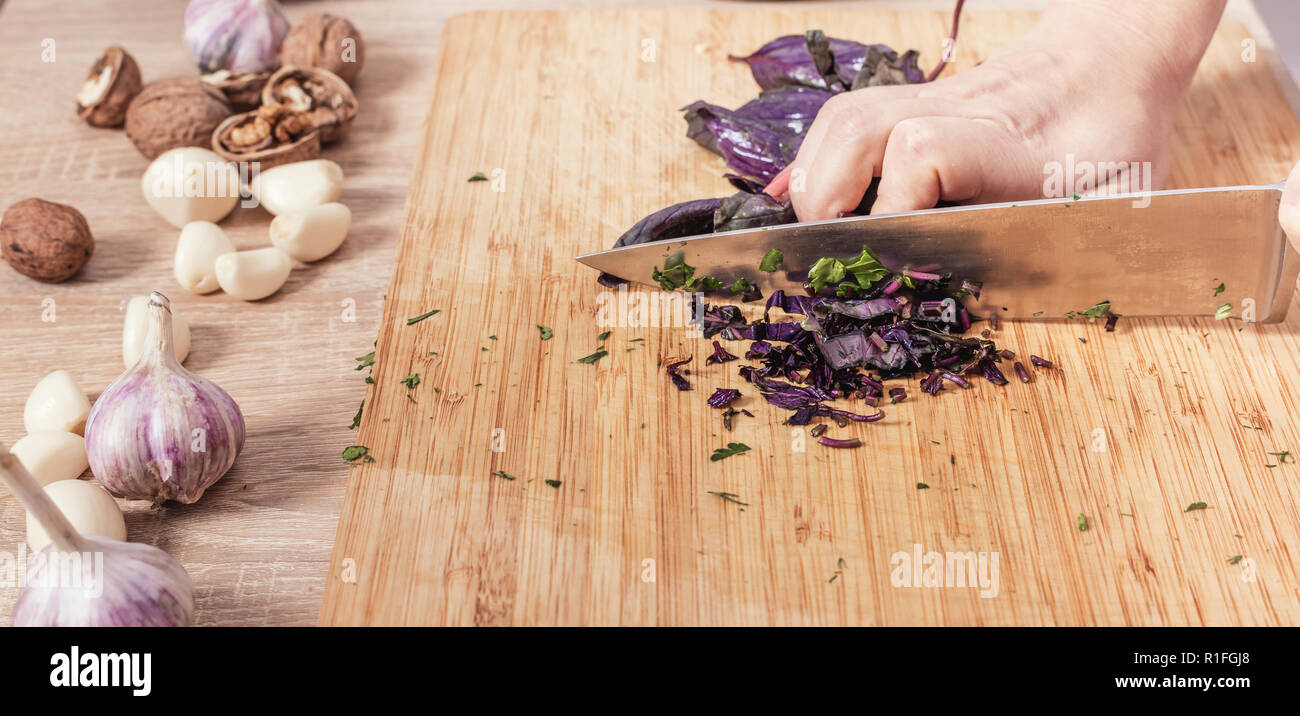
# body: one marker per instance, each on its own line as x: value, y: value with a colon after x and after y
x: 111, y: 84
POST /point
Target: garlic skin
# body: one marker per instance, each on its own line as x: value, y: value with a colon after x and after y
x: 160, y: 432
x: 92, y: 581
x: 235, y: 35
x: 313, y: 234
x: 90, y: 510
x: 134, y: 585
x: 298, y: 186
x: 135, y: 329
x: 190, y: 184
x: 197, y: 249
x: 52, y: 455
x: 56, y: 403
x: 253, y: 275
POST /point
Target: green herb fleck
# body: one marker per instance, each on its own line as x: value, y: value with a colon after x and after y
x: 1037, y: 314
x: 728, y: 451
x: 594, y: 356
x: 554, y: 483
x: 502, y: 474
x: 729, y: 497
x: 1219, y: 289
x: 492, y: 338
x: 1077, y: 197
x: 742, y: 285
x: 675, y: 273
x: 478, y: 176
x: 411, y: 380
x: 366, y: 360
x: 352, y: 453
x: 546, y: 332
x: 603, y: 336
x: 416, y: 319
x: 356, y: 419
x: 1083, y: 523
x: 922, y: 486
x: 771, y: 261
x: 1284, y: 456
x: 1196, y: 506
x: 1235, y: 559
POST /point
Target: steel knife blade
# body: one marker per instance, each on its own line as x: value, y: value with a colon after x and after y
x: 1160, y: 253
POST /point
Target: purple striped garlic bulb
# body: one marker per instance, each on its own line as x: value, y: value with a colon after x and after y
x: 160, y: 432
x: 80, y: 580
x: 236, y: 35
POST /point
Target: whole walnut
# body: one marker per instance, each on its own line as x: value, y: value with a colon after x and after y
x: 326, y: 41
x: 46, y: 241
x: 179, y: 112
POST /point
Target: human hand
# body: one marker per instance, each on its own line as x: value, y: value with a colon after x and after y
x: 1097, y: 81
x: 1288, y: 214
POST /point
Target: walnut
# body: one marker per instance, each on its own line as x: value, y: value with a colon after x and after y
x: 243, y: 91
x: 319, y: 93
x: 179, y: 112
x: 46, y: 241
x: 325, y: 41
x: 110, y: 86
x: 270, y: 135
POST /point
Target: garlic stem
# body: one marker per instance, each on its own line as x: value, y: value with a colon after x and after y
x: 159, y: 338
x: 28, y: 491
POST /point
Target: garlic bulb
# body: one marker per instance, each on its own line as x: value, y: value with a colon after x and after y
x: 92, y: 581
x: 160, y: 432
x: 236, y: 35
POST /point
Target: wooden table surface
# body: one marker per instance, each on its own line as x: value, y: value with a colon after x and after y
x: 258, y: 544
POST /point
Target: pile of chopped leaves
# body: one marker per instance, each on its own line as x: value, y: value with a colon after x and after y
x: 860, y: 324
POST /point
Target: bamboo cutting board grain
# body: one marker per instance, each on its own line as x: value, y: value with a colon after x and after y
x: 573, y: 116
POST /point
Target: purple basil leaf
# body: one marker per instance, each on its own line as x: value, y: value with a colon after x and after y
x: 685, y: 219
x: 743, y: 210
x: 722, y: 397
x: 787, y: 61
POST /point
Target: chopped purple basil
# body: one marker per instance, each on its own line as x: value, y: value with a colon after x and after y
x: 1040, y: 362
x: 1021, y: 372
x: 722, y: 397
x: 839, y: 443
x: 676, y: 377
x: 720, y: 355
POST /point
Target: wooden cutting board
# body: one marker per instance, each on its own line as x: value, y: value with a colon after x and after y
x: 574, y: 116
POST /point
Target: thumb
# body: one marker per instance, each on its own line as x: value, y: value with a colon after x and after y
x: 1288, y: 214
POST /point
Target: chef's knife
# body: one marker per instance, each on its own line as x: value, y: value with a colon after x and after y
x: 1156, y: 254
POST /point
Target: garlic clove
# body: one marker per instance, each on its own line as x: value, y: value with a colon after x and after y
x: 190, y: 184
x: 56, y: 403
x: 197, y: 249
x: 52, y: 455
x: 253, y: 275
x: 312, y: 234
x: 90, y: 509
x: 136, y: 329
x: 298, y: 186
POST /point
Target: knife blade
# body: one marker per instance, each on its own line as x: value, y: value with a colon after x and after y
x: 1160, y: 253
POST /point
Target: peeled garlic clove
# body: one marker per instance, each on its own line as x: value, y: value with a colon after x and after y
x: 197, y: 249
x: 298, y: 186
x: 312, y: 234
x: 160, y: 432
x: 90, y: 509
x: 52, y: 455
x: 190, y: 184
x: 136, y: 328
x: 56, y: 403
x: 253, y: 275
